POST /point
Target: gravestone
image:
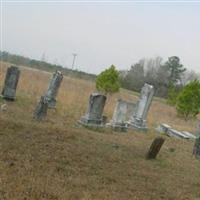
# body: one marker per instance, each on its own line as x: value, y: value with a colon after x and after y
x: 122, y: 112
x: 130, y: 110
x: 52, y: 90
x: 155, y: 148
x: 10, y: 83
x: 94, y: 117
x: 196, y: 148
x: 138, y: 120
x: 41, y: 109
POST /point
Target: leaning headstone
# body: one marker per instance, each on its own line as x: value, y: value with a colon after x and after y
x: 155, y: 148
x: 138, y: 120
x: 94, y: 117
x: 10, y: 83
x: 52, y: 90
x: 196, y: 148
x: 122, y: 110
x: 41, y: 109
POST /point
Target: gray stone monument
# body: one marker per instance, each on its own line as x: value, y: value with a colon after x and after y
x: 138, y: 120
x: 196, y: 148
x: 41, y: 109
x: 122, y: 112
x: 52, y: 90
x: 94, y: 117
x: 10, y: 83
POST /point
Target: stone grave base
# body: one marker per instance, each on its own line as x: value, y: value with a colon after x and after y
x: 138, y: 124
x: 139, y: 128
x: 98, y: 123
x: 8, y: 98
x: 118, y: 127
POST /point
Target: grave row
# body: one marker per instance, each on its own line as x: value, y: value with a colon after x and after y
x: 126, y: 114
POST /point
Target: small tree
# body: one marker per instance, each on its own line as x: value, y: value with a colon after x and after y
x: 175, y: 69
x: 188, y: 101
x: 108, y: 81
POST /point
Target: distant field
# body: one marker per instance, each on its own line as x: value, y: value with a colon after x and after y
x: 56, y: 159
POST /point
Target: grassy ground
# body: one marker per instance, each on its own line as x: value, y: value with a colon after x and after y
x: 58, y: 160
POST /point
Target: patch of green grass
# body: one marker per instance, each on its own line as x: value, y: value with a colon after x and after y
x: 1, y: 99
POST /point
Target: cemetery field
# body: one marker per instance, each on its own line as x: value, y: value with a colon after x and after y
x: 57, y: 159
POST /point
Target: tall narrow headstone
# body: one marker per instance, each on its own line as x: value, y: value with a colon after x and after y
x: 121, y: 114
x: 196, y: 148
x: 94, y: 113
x: 138, y: 120
x: 52, y: 90
x: 41, y: 109
x: 10, y: 83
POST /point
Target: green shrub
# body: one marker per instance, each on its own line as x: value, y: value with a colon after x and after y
x: 188, y: 101
x: 173, y: 93
x: 108, y: 81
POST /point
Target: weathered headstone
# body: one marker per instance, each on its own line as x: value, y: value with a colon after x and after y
x: 94, y: 117
x: 52, y: 90
x: 155, y: 148
x: 196, y: 148
x: 123, y: 110
x: 10, y: 83
x: 130, y: 110
x: 138, y: 120
x: 41, y: 109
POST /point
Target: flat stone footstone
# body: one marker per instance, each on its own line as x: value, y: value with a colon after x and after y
x: 155, y: 148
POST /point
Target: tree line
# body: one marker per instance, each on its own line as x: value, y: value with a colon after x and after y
x: 166, y: 77
x: 42, y: 65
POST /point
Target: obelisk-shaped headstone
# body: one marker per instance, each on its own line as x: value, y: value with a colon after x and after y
x: 53, y: 88
x: 10, y: 83
x: 138, y: 120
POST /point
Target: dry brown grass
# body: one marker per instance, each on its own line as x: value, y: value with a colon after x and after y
x: 58, y: 160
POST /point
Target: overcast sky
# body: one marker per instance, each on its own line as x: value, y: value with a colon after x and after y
x: 102, y: 33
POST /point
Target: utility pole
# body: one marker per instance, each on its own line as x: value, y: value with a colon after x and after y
x: 74, y: 58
